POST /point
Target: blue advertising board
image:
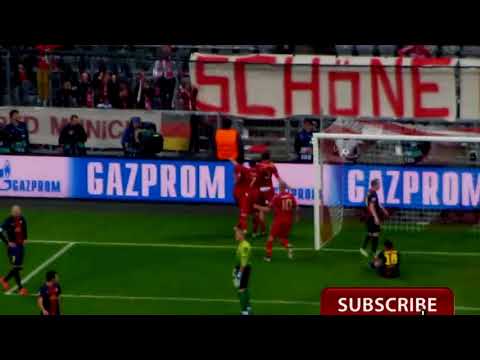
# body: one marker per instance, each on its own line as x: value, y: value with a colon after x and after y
x: 409, y: 187
x: 413, y: 187
x: 152, y: 180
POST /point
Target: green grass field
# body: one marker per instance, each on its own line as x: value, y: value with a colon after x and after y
x: 170, y: 259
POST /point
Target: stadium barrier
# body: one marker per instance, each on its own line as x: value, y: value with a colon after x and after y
x: 212, y: 182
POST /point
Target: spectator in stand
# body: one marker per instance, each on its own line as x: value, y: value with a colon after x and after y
x: 164, y: 77
x: 138, y: 92
x: 143, y: 93
x: 82, y: 89
x: 105, y: 91
x: 156, y: 99
x: 43, y: 72
x: 22, y: 85
x: 418, y: 51
x: 186, y: 96
x: 73, y: 137
x: 124, y: 96
x: 18, y: 134
x: 65, y: 97
x: 90, y: 97
x: 303, y: 142
x: 115, y: 91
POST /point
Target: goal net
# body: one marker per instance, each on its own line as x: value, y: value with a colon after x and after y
x: 425, y: 179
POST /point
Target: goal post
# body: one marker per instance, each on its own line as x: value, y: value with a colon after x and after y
x: 424, y: 178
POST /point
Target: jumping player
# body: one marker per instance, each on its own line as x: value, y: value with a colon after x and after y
x: 284, y: 207
x: 240, y: 193
x: 266, y: 169
x: 49, y: 296
x: 373, y: 218
x: 13, y: 233
x: 244, y: 192
x: 242, y: 271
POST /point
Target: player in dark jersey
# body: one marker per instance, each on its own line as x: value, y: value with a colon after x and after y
x: 374, y: 209
x: 387, y: 262
x: 49, y: 295
x: 13, y: 232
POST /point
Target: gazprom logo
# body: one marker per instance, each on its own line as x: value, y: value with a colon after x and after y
x: 9, y: 183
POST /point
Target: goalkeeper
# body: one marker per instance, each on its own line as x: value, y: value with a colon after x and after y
x: 241, y: 272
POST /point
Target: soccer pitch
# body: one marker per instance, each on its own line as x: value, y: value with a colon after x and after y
x: 129, y: 259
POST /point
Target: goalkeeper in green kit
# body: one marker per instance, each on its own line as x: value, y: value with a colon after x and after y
x: 241, y: 272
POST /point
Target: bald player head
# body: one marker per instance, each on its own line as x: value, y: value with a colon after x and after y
x: 16, y: 210
x: 283, y: 186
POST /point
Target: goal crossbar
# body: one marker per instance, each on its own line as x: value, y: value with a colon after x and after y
x: 318, y: 169
x: 393, y: 137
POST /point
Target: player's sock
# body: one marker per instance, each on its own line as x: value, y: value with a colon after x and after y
x: 269, y: 248
x: 285, y: 243
x: 17, y: 278
x: 9, y: 275
x: 242, y: 222
x: 374, y: 244
x: 248, y: 306
x: 365, y: 242
x: 243, y: 300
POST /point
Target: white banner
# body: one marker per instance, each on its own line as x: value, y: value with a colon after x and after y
x: 104, y: 127
x: 279, y: 86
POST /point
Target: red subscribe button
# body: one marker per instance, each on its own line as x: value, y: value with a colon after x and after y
x: 387, y: 301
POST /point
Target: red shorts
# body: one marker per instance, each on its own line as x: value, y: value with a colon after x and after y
x: 265, y: 197
x: 281, y: 229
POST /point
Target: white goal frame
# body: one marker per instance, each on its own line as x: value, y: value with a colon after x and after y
x: 318, y: 169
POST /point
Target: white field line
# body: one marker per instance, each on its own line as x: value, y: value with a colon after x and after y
x: 69, y: 245
x: 42, y: 266
x: 207, y: 300
x: 204, y: 246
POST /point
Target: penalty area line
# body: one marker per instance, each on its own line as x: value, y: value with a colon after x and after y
x: 42, y: 266
x: 205, y: 246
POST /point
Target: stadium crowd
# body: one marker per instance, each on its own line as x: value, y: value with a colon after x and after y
x: 40, y: 76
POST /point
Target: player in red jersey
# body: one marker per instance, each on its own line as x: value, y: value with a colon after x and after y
x: 285, y: 208
x: 244, y: 193
x: 266, y: 169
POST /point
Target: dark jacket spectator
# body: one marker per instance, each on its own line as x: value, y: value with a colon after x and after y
x: 18, y: 133
x: 22, y: 85
x: 82, y: 89
x: 124, y: 100
x: 66, y: 96
x: 303, y: 142
x: 186, y: 96
x: 73, y: 137
x: 143, y: 93
x: 130, y: 141
x: 164, y: 76
x: 105, y: 91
